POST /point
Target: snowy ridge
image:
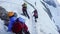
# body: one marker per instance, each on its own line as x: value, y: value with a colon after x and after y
x: 56, y: 13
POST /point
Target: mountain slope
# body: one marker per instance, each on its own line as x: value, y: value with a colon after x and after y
x: 44, y: 24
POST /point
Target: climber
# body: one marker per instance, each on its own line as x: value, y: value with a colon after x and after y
x: 17, y: 25
x: 3, y: 15
x: 35, y: 15
x: 24, y: 9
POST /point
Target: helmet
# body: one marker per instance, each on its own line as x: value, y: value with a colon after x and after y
x: 10, y: 14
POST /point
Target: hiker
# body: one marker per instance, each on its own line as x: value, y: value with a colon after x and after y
x: 3, y: 15
x: 17, y: 25
x: 24, y: 9
x: 35, y: 15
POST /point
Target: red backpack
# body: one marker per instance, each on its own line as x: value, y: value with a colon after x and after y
x: 18, y: 26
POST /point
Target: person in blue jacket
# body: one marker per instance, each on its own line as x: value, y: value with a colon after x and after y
x: 13, y: 18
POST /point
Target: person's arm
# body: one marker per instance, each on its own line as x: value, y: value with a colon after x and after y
x: 11, y: 23
x: 10, y: 26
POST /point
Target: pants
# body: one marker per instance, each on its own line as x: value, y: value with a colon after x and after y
x: 26, y: 14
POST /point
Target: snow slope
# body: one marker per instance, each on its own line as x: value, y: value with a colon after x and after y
x: 44, y: 25
x: 55, y: 12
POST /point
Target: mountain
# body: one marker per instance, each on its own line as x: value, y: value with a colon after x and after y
x: 55, y: 11
x: 46, y: 22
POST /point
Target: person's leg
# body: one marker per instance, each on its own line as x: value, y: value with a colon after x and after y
x: 35, y: 19
x: 27, y: 15
x: 24, y: 13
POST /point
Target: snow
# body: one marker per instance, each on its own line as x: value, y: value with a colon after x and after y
x: 55, y: 12
x: 44, y: 24
x: 58, y: 1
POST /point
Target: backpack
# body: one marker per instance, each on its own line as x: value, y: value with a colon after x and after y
x: 19, y: 26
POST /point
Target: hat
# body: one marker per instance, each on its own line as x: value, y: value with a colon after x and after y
x: 10, y: 14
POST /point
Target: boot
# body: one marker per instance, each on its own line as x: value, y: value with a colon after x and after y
x: 35, y: 20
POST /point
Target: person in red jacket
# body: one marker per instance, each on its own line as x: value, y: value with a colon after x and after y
x: 17, y: 25
x: 35, y: 15
x: 20, y: 27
